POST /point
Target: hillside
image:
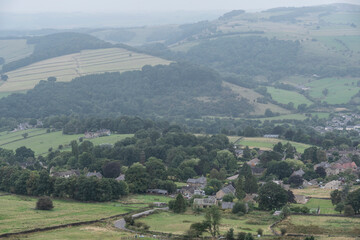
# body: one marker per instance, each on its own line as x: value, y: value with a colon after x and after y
x: 67, y: 67
x: 174, y: 90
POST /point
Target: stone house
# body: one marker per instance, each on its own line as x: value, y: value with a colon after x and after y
x: 94, y: 174
x: 227, y: 205
x: 197, y: 183
x: 333, y: 185
x: 205, y: 202
x: 66, y: 174
x: 253, y: 162
x: 229, y: 189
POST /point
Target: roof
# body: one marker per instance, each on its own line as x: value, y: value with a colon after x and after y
x: 158, y: 191
x: 200, y: 180
x: 298, y: 173
x: 96, y: 174
x: 257, y: 170
x: 233, y: 177
x: 253, y: 162
x: 227, y: 205
x: 66, y: 173
x: 205, y: 201
x: 229, y: 189
x: 121, y: 177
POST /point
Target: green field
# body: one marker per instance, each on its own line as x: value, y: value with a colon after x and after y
x: 268, y: 143
x: 67, y: 67
x: 284, y: 96
x: 14, y: 49
x: 321, y: 225
x: 17, y: 213
x: 342, y: 18
x: 169, y: 222
x: 40, y: 141
x: 325, y: 205
x: 313, y: 192
x: 296, y: 116
x: 103, y: 231
x: 339, y: 90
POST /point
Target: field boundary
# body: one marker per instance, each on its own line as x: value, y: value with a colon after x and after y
x: 4, y: 235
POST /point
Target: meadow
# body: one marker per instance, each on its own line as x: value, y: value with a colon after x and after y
x: 285, y: 96
x: 169, y: 222
x: 325, y: 206
x: 295, y: 116
x: 321, y: 225
x: 268, y: 143
x: 313, y: 192
x: 67, y: 67
x: 14, y: 49
x: 17, y: 213
x: 40, y: 141
x: 340, y: 90
x: 103, y: 231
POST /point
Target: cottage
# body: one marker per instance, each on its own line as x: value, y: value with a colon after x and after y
x: 94, y: 174
x: 198, y: 183
x: 121, y: 177
x: 298, y: 173
x: 229, y: 189
x: 257, y: 171
x: 250, y: 197
x: 66, y: 174
x: 253, y: 162
x: 205, y: 202
x: 157, y: 191
x: 232, y: 178
x: 227, y: 205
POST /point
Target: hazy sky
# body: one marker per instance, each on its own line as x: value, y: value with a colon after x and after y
x: 91, y: 6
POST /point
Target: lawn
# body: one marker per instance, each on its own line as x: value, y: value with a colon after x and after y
x: 67, y: 67
x: 284, y: 96
x: 321, y: 225
x: 169, y: 222
x: 325, y: 205
x: 340, y: 90
x: 313, y: 192
x: 40, y: 141
x: 268, y: 143
x: 103, y: 231
x: 17, y: 213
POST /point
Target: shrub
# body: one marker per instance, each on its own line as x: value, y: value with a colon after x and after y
x: 129, y: 220
x: 44, y: 203
x: 241, y: 236
x: 283, y: 231
x: 228, y: 198
x: 239, y: 207
x: 249, y: 237
x: 349, y: 211
x: 260, y: 232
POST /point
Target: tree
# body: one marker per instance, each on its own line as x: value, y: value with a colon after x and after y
x: 44, y: 203
x: 320, y: 171
x: 325, y: 91
x: 340, y: 207
x: 23, y: 153
x: 137, y: 178
x: 349, y: 210
x: 179, y: 204
x: 239, y: 186
x: 228, y: 198
x: 239, y: 207
x: 25, y: 135
x: 272, y: 196
x: 353, y: 199
x: 335, y: 197
x: 296, y: 181
x: 247, y: 153
x: 51, y: 79
x: 212, y: 219
x: 112, y: 169
x: 156, y: 168
x: 280, y: 169
x: 230, y: 234
x: 4, y: 77
x: 251, y: 185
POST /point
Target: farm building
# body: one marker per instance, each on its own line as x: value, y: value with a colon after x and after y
x: 205, y: 202
x: 198, y: 183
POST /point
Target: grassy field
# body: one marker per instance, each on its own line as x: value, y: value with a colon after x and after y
x: 325, y: 205
x: 313, y: 192
x: 320, y: 225
x: 284, y: 96
x: 103, y: 231
x: 14, y: 49
x: 169, y: 222
x: 268, y: 143
x: 17, y: 213
x: 67, y: 67
x: 40, y: 141
x: 251, y: 95
x: 339, y: 90
x: 146, y: 199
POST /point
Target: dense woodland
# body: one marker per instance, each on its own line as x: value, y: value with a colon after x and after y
x: 178, y: 89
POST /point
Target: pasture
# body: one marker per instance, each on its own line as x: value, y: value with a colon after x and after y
x: 313, y: 192
x: 40, y: 141
x: 268, y: 143
x: 325, y: 206
x: 103, y: 231
x: 14, y: 49
x: 340, y: 90
x: 67, y: 67
x: 321, y: 225
x: 285, y: 96
x: 169, y: 222
x: 17, y: 213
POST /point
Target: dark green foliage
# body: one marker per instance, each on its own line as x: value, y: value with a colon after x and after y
x: 137, y: 178
x: 55, y: 45
x: 161, y: 90
x: 22, y: 153
x: 111, y: 170
x: 228, y: 198
x: 4, y: 77
x: 349, y: 210
x: 296, y: 181
x: 291, y: 196
x: 339, y: 207
x: 44, y: 203
x: 179, y: 204
x: 335, y: 197
x: 269, y: 156
x: 213, y: 186
x: 353, y: 199
x: 280, y: 169
x: 313, y: 154
x: 320, y: 171
x: 156, y: 169
x: 239, y: 186
x: 241, y: 236
x: 212, y: 220
x: 260, y: 231
x: 239, y: 207
x: 283, y: 231
x: 197, y: 229
x: 230, y: 234
x: 272, y: 196
x: 309, y: 238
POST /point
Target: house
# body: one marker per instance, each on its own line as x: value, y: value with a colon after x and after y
x: 284, y: 186
x: 324, y: 165
x: 187, y: 191
x: 229, y: 189
x: 257, y: 171
x: 94, y: 174
x: 157, y: 191
x: 199, y: 192
x: 205, y: 202
x: 239, y: 153
x: 100, y: 133
x: 232, y: 178
x: 300, y: 199
x: 227, y: 205
x: 298, y: 173
x: 333, y: 185
x: 198, y: 183
x: 253, y: 162
x: 66, y: 174
x: 250, y: 197
x: 121, y: 177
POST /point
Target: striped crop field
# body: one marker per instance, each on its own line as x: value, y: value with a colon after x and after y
x: 67, y: 67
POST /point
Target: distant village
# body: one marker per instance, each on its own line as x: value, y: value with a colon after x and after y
x: 344, y: 122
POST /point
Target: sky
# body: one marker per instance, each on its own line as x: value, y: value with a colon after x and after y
x: 112, y: 6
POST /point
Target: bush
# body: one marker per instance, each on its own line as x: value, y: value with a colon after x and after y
x: 283, y: 231
x: 44, y: 203
x: 228, y: 198
x: 260, y: 232
x: 349, y: 211
x: 249, y: 237
x: 239, y: 207
x: 241, y: 236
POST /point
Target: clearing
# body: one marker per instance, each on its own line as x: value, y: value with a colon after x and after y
x: 285, y: 97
